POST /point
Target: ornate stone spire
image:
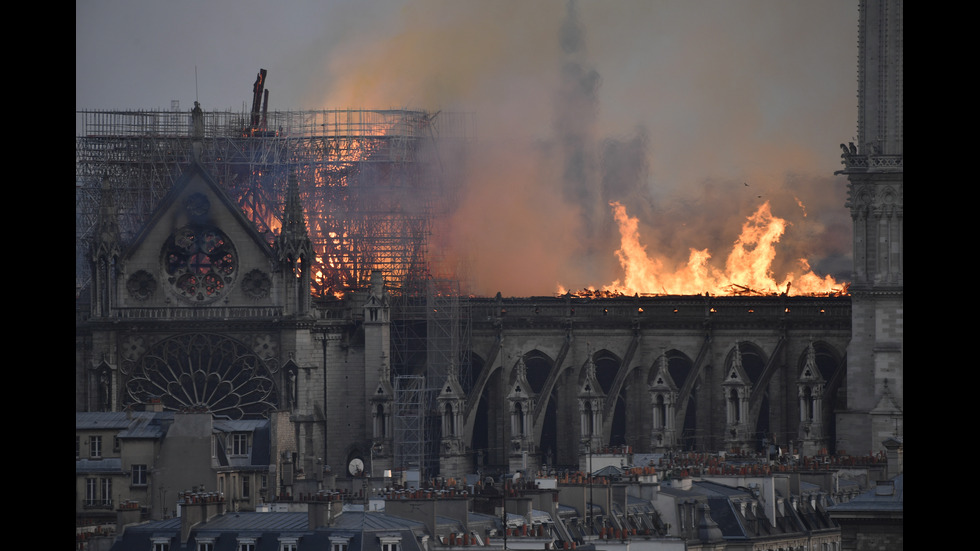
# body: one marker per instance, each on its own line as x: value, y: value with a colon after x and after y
x: 590, y: 366
x: 737, y: 360
x: 810, y: 370
x: 521, y: 368
x: 294, y: 240
x: 106, y: 244
x: 521, y: 389
x: 661, y: 377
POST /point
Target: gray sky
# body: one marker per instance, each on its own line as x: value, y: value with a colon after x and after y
x: 721, y: 92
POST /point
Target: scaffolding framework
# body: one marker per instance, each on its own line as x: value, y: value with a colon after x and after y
x: 375, y: 184
x: 409, y: 421
x: 430, y: 339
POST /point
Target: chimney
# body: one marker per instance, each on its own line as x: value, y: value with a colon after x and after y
x: 418, y: 509
x: 455, y: 508
x: 198, y: 508
x: 127, y: 513
x: 323, y: 510
x: 154, y: 404
x: 893, y: 453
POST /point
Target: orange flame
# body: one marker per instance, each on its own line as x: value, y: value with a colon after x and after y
x: 748, y: 269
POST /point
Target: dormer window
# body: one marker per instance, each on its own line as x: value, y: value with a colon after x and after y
x: 390, y: 543
x: 339, y: 543
x: 238, y: 443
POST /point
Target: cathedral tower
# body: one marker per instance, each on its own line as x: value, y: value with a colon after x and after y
x: 874, y: 168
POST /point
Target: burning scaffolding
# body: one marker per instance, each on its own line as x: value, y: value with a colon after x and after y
x: 375, y: 184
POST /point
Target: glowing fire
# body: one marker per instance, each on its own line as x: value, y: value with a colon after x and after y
x: 328, y: 197
x: 748, y: 269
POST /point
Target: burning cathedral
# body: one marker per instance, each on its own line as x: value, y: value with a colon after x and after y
x: 260, y: 263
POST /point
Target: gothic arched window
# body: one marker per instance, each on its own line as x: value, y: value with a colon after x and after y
x: 735, y: 406
x: 808, y: 403
x: 204, y: 372
x: 519, y: 419
x: 589, y: 419
x: 381, y: 422
x: 451, y: 420
x: 659, y: 412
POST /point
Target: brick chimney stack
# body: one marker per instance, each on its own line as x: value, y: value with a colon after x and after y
x: 198, y: 508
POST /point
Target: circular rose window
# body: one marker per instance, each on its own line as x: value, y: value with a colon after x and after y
x: 200, y: 262
x: 204, y: 372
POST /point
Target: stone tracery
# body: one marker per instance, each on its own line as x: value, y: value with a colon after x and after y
x: 205, y: 372
x: 200, y: 262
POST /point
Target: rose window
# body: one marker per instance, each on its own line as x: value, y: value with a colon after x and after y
x: 141, y: 285
x: 205, y: 372
x: 201, y: 263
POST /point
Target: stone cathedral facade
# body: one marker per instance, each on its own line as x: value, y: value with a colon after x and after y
x: 200, y: 313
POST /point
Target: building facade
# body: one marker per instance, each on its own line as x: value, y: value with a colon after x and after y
x: 199, y: 312
x: 140, y: 461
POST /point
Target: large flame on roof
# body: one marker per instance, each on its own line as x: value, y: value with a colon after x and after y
x: 748, y: 269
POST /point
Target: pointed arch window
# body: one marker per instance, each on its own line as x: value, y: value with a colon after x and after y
x: 380, y: 422
x: 449, y: 420
x: 659, y: 412
x: 588, y: 420
x: 519, y: 419
x: 808, y: 404
x: 734, y: 407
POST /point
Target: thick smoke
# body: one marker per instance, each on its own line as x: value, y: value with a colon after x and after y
x: 703, y: 111
x: 576, y: 109
x: 691, y: 114
x: 537, y: 210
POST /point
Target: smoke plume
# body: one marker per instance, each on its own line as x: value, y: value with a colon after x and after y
x: 690, y: 114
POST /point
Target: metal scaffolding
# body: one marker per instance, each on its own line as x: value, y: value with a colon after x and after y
x: 375, y: 184
x: 409, y: 419
x: 430, y: 340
